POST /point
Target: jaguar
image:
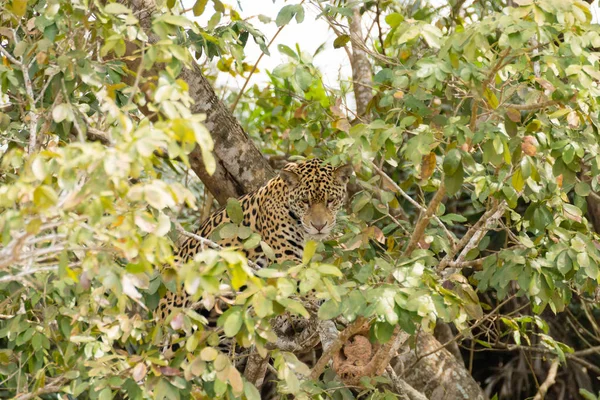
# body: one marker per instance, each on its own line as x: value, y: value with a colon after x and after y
x: 301, y: 202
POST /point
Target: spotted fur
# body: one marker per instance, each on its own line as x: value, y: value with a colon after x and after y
x: 300, y: 203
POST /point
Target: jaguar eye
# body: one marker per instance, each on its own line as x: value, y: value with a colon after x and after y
x: 330, y: 201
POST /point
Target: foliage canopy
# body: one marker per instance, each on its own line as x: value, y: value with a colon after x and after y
x: 498, y: 108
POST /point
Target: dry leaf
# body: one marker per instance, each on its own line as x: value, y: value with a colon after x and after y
x: 573, y: 119
x: 170, y: 371
x: 545, y: 84
x: 529, y: 145
x: 336, y: 108
x: 428, y: 165
x: 513, y: 114
x: 342, y: 124
x: 139, y: 372
x: 300, y: 113
x: 399, y: 95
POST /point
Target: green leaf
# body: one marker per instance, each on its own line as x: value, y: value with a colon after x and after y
x: 199, y: 7
x: 329, y: 310
x: 303, y: 78
x: 296, y: 307
x: 432, y: 35
x: 116, y: 8
x: 63, y: 111
x: 44, y: 197
x: 341, y: 41
x: 269, y: 252
x: 491, y: 98
x: 250, y: 391
x: 511, y: 196
x: 327, y: 269
x: 19, y: 7
x: 564, y: 263
x: 360, y: 201
x: 252, y: 241
x: 452, y: 218
x: 228, y: 230
x: 394, y: 19
x: 288, y: 12
x: 106, y: 393
x: 284, y: 70
x: 452, y: 161
x: 209, y: 354
x: 234, y: 211
x: 287, y: 51
x: 454, y: 182
x: 233, y: 322
x: 582, y: 189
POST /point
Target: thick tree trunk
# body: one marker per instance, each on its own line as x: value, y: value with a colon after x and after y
x: 240, y: 167
x: 439, y: 375
x: 362, y: 76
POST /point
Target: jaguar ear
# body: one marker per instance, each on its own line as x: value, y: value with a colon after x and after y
x: 342, y: 174
x: 289, y: 177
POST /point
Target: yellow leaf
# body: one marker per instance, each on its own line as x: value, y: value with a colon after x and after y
x: 428, y: 165
x: 199, y: 7
x: 309, y: 251
x: 19, y: 7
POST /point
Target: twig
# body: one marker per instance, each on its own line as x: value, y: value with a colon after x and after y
x: 207, y: 242
x: 10, y: 278
x: 531, y: 107
x: 73, y: 109
x: 550, y: 380
x: 138, y: 75
x: 33, y: 117
x: 397, y: 188
x: 470, y: 233
x: 424, y: 220
x: 53, y: 388
x: 11, y: 58
x: 380, y: 33
x: 474, y: 241
x: 243, y: 89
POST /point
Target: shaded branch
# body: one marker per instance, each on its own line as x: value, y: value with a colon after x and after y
x: 424, y: 220
x: 485, y: 219
x: 352, y: 329
x: 548, y: 382
x: 531, y: 107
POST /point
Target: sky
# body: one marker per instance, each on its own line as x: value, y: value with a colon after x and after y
x: 333, y: 63
x: 309, y: 35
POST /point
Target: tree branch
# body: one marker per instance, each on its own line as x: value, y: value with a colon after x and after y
x: 470, y: 233
x: 398, y: 189
x: 353, y: 328
x: 424, y: 220
x: 531, y: 107
x: 550, y: 380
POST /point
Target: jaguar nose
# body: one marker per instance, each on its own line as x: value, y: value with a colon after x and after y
x: 318, y: 226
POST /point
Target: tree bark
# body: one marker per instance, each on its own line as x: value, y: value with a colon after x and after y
x: 362, y: 75
x: 240, y: 167
x: 439, y: 375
